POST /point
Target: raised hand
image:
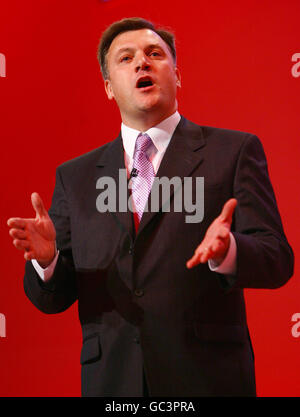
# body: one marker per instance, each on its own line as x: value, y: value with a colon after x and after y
x: 36, y: 237
x: 217, y: 238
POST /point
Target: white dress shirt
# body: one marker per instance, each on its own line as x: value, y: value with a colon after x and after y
x: 161, y: 135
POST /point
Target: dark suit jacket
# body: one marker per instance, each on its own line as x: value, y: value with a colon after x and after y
x: 139, y: 306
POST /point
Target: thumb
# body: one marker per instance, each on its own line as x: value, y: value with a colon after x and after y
x: 228, y: 210
x: 38, y: 205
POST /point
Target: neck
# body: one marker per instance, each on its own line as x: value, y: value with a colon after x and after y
x: 146, y: 121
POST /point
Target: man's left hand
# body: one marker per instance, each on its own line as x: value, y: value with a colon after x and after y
x: 216, y: 241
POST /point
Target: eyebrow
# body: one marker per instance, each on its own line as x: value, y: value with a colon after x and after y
x: 125, y: 49
x: 154, y: 45
x: 131, y: 49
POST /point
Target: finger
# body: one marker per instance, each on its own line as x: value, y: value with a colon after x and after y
x: 228, y: 210
x: 18, y: 233
x: 206, y: 254
x: 38, y: 205
x: 21, y: 244
x: 193, y: 260
x: 29, y: 256
x: 17, y: 222
x: 200, y: 256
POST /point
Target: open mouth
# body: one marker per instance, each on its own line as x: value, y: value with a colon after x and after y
x: 144, y: 82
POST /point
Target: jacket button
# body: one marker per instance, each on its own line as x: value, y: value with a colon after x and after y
x: 130, y: 250
x: 136, y: 340
x: 139, y: 292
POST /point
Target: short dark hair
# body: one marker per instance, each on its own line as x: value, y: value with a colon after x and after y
x: 125, y: 25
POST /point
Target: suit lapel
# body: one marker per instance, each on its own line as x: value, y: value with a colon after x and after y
x: 109, y: 165
x: 181, y: 158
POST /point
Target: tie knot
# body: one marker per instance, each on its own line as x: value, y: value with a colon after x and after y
x: 143, y: 142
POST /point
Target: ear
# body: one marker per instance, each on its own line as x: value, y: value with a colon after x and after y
x: 178, y: 76
x: 108, y: 89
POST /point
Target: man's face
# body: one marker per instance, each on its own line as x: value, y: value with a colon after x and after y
x: 142, y: 75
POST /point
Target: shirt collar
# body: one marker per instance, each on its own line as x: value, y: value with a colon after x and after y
x: 160, y: 134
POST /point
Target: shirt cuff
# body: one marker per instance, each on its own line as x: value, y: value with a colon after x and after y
x: 45, y: 273
x: 228, y: 265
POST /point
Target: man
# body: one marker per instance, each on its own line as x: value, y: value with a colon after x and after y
x: 160, y: 299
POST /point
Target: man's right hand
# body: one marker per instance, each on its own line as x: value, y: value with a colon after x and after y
x: 36, y: 237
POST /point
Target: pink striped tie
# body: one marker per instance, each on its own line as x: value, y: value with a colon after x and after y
x: 144, y: 173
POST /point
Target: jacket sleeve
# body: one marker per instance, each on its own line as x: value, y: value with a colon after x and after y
x: 264, y: 256
x: 60, y: 292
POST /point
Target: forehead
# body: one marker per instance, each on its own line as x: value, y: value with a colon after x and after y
x: 136, y: 39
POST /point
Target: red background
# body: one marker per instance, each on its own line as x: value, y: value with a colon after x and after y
x: 235, y: 61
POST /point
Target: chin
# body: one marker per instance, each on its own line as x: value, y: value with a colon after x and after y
x: 151, y: 104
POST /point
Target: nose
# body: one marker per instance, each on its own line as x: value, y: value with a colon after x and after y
x: 142, y: 63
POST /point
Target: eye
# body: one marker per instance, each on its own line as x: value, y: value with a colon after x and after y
x: 155, y: 53
x: 125, y: 58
